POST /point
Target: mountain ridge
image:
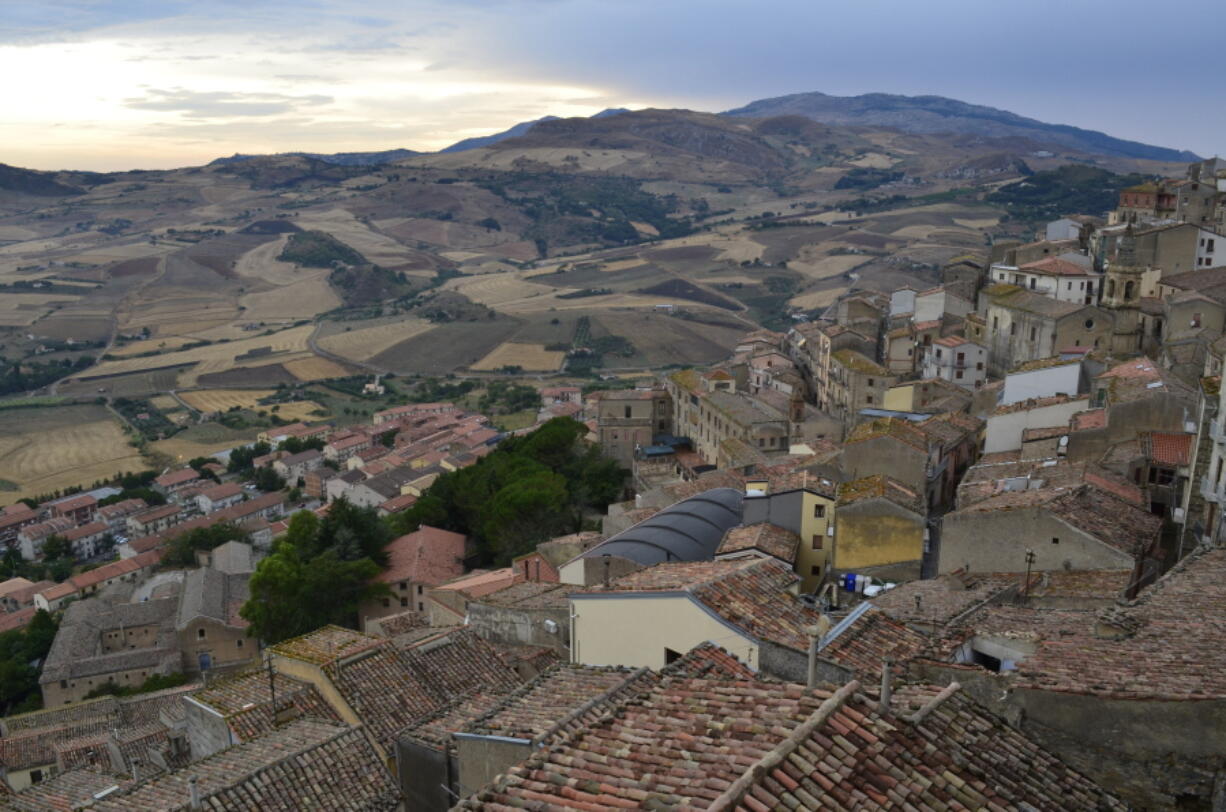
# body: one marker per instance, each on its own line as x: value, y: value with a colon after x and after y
x: 936, y: 114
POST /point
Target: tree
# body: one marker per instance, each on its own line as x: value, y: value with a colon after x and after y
x: 181, y: 550
x: 56, y: 547
x: 319, y: 572
x: 268, y: 480
x: 240, y: 458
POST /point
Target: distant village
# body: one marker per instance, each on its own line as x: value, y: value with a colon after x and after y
x: 950, y: 548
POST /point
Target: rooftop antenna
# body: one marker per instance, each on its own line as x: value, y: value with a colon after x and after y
x: 1030, y: 557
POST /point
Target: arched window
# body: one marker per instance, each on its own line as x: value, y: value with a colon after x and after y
x: 1128, y: 291
x: 1110, y: 288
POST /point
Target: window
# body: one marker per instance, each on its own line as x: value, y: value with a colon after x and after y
x: 387, y: 603
x: 819, y: 511
x: 869, y: 400
x: 995, y: 322
x: 1089, y: 324
x: 239, y: 642
x: 1055, y: 540
x: 199, y: 634
x: 419, y: 589
x: 627, y: 411
x: 958, y: 374
x: 979, y: 366
x: 817, y: 541
x: 1012, y: 329
x: 961, y: 358
x: 816, y: 569
x: 1034, y: 332
x: 404, y: 603
x: 421, y: 607
x: 1196, y: 319
x: 404, y: 585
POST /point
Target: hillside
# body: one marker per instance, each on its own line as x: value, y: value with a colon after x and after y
x: 337, y: 158
x: 516, y: 131
x: 31, y: 182
x: 937, y: 114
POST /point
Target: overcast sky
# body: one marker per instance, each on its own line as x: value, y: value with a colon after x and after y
x: 91, y: 84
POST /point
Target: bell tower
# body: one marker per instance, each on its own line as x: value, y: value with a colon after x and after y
x: 1121, y: 294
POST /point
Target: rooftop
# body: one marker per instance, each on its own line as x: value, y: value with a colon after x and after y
x: 880, y: 486
x: 763, y: 536
x: 717, y: 744
x: 427, y: 556
x: 690, y: 530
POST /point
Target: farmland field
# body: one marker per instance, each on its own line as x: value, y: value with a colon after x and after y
x: 532, y: 357
x: 315, y: 369
x: 212, y: 358
x: 364, y: 343
x: 48, y: 449
x: 220, y: 400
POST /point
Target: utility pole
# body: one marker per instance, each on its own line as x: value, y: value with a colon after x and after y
x: 1030, y: 557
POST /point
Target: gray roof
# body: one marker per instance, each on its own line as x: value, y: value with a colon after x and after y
x: 690, y: 530
x: 211, y: 593
x: 77, y: 649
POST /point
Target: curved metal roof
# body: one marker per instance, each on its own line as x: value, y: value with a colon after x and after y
x: 690, y: 530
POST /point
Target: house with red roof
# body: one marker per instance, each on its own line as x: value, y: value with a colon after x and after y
x: 418, y: 561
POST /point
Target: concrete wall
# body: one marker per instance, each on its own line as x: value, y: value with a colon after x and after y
x: 1004, y: 431
x: 524, y: 627
x: 882, y: 455
x: 207, y: 731
x: 791, y: 665
x: 634, y: 630
x: 1041, y: 383
x: 480, y: 759
x: 996, y: 541
x: 876, y: 532
x: 425, y: 774
x: 593, y: 570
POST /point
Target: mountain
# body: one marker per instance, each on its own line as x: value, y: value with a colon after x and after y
x: 937, y: 114
x: 514, y: 132
x: 336, y: 158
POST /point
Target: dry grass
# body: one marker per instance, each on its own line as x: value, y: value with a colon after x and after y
x: 367, y: 342
x: 824, y: 267
x: 493, y: 290
x: 315, y: 368
x: 167, y: 403
x: 533, y: 357
x: 817, y: 298
x: 220, y: 400
x: 43, y: 450
x: 302, y: 300
x: 303, y: 410
x: 873, y: 160
x: 168, y: 344
x: 984, y: 222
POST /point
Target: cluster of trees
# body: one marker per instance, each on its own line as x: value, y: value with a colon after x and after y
x: 528, y: 489
x: 1055, y: 192
x: 19, y: 650
x: 502, y: 397
x: 181, y: 550
x: 319, y: 249
x: 319, y: 572
x: 27, y: 375
x: 157, y: 682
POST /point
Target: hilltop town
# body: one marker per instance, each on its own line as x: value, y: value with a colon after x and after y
x: 947, y: 546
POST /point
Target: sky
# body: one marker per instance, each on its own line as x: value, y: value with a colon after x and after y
x: 92, y: 84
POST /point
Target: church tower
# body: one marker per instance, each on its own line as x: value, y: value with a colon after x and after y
x: 1122, y: 296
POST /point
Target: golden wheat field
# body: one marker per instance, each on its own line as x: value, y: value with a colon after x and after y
x: 220, y: 400
x: 314, y: 368
x: 43, y: 450
x: 533, y: 357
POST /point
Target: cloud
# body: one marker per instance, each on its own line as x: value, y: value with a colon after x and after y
x: 222, y: 104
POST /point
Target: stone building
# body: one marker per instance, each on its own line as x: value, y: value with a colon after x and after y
x: 627, y: 419
x: 425, y: 558
x: 856, y: 382
x: 957, y: 360
x: 881, y: 529
x: 211, y: 633
x: 1024, y: 326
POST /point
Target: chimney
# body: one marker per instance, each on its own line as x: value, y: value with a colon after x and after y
x: 883, y: 706
x: 815, y: 635
x: 195, y: 792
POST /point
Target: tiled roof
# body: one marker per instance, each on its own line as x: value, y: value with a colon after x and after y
x: 708, y: 744
x: 858, y: 362
x: 64, y: 792
x: 77, y: 649
x: 558, y: 551
x: 536, y: 709
x: 937, y: 601
x: 244, y: 700
x: 902, y: 430
x: 213, y: 594
x: 531, y: 595
x: 709, y: 661
x: 1037, y: 403
x: 1166, y: 448
x: 764, y: 536
x: 476, y: 584
x: 177, y: 477
x: 436, y: 727
x: 1056, y: 267
x: 871, y: 638
x: 326, y: 644
x: 1140, y: 378
x: 1092, y: 419
x: 880, y: 486
x: 223, y: 491
x: 428, y: 556
x: 307, y: 764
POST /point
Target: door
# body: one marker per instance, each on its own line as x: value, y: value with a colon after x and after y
x: 206, y: 660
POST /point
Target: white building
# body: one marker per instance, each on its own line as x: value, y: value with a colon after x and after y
x: 957, y: 360
x: 1066, y: 278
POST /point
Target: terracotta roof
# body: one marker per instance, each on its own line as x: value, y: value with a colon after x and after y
x: 244, y: 700
x: 536, y: 709
x: 476, y: 584
x: 1167, y: 448
x: 1141, y: 378
x: 74, y: 503
x: 938, y: 601
x: 427, y: 556
x: 764, y: 536
x: 307, y: 764
x: 1031, y: 435
x: 712, y: 744
x: 223, y: 491
x: 1166, y: 644
x: 1056, y: 267
x: 710, y: 661
x: 177, y: 477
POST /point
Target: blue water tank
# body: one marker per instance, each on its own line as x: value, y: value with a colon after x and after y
x: 849, y: 581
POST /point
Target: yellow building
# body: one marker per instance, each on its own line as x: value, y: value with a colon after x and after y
x: 881, y: 524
